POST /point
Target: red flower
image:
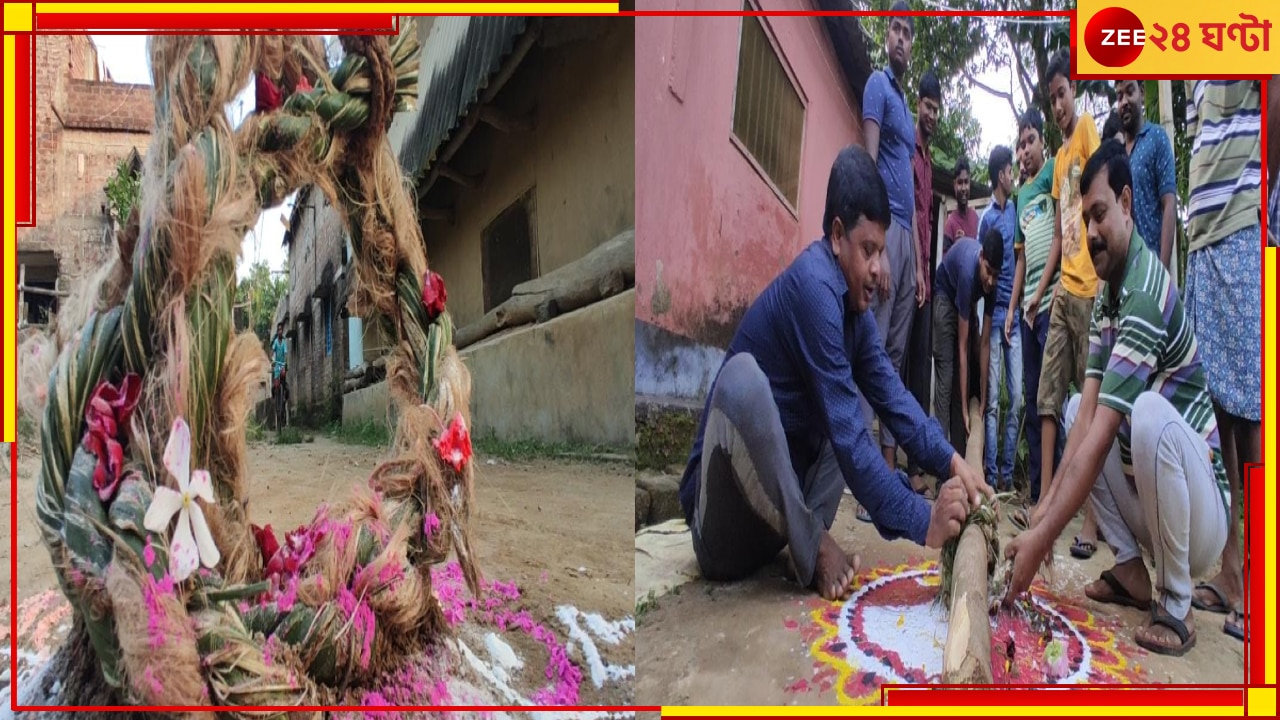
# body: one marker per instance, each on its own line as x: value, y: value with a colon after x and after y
x: 454, y: 445
x: 433, y: 294
x: 109, y: 410
x: 299, y: 547
x: 267, y: 543
x: 304, y: 85
x: 267, y: 93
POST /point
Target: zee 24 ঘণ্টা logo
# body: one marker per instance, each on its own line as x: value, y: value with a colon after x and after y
x: 1115, y: 37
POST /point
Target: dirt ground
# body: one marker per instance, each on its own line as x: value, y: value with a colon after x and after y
x: 744, y: 643
x: 555, y: 529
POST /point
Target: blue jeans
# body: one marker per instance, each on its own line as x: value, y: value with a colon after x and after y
x: 1033, y: 342
x: 1005, y: 365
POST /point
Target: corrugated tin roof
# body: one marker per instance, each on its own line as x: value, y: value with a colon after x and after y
x: 458, y: 59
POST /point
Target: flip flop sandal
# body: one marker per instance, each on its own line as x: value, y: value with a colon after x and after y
x: 1160, y: 617
x: 1234, y: 626
x: 863, y: 515
x: 1118, y: 596
x: 1083, y: 549
x: 1221, y: 607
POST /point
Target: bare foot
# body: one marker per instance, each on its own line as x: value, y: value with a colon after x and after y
x: 834, y: 571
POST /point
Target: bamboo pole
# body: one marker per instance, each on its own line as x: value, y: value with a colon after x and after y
x: 967, y: 654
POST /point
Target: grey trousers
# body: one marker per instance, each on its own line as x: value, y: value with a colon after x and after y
x: 895, y: 314
x: 750, y: 502
x: 1174, y: 494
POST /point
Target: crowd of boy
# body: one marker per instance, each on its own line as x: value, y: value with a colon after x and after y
x: 1142, y: 398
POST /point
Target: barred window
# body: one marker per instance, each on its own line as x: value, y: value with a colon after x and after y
x: 768, y: 113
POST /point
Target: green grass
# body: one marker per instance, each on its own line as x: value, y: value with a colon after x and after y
x: 289, y: 435
x: 368, y: 433
x: 527, y: 450
x: 255, y: 432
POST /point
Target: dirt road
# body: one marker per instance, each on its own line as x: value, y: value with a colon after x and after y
x: 765, y: 641
x: 556, y: 530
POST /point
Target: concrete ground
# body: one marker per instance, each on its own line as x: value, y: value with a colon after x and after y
x: 551, y: 528
x: 752, y: 642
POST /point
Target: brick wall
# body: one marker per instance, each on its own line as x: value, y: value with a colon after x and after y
x: 83, y: 129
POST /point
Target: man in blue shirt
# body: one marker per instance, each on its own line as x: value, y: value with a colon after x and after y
x: 966, y: 274
x: 782, y: 433
x: 890, y: 135
x: 1001, y: 338
x: 1154, y: 178
x: 279, y: 356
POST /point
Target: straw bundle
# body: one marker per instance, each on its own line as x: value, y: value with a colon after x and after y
x: 349, y: 595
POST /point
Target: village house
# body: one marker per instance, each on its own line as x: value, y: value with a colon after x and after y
x: 85, y: 124
x: 523, y: 158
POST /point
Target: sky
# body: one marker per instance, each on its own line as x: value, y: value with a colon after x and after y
x: 126, y: 58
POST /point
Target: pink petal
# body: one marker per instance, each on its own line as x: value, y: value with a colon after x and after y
x: 202, y: 486
x: 209, y: 555
x: 177, y: 453
x: 184, y: 557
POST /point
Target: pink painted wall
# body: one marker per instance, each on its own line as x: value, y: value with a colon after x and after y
x: 710, y: 230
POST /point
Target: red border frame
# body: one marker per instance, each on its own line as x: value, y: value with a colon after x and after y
x: 1256, y: 553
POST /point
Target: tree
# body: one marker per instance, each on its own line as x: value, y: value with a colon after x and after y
x: 123, y: 189
x: 946, y: 45
x: 259, y: 294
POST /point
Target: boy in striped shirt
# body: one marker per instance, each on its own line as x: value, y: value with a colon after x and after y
x: 1031, y: 249
x: 1142, y: 439
x: 1223, y: 292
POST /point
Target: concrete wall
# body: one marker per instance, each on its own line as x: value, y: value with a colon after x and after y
x: 316, y: 367
x: 569, y: 379
x: 579, y: 161
x: 83, y: 128
x: 711, y: 231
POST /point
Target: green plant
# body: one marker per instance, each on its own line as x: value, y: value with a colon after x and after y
x: 289, y: 435
x: 123, y: 190
x: 530, y: 449
x: 368, y: 433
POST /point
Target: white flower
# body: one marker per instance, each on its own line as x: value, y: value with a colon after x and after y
x: 192, y: 542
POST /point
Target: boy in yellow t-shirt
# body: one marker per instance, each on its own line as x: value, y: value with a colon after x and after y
x: 1067, y: 345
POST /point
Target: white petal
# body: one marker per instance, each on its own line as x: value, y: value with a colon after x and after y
x: 201, y: 486
x: 209, y: 555
x: 184, y: 558
x: 165, y: 503
x: 177, y: 453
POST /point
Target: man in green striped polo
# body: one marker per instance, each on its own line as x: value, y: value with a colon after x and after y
x: 1031, y: 246
x: 1142, y: 439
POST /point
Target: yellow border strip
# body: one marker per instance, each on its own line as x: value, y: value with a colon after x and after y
x: 428, y: 8
x: 17, y: 17
x: 10, y: 242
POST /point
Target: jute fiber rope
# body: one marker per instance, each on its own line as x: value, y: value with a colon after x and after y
x: 149, y: 399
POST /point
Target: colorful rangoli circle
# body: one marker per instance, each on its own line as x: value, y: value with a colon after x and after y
x: 891, y: 631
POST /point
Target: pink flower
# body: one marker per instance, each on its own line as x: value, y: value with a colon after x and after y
x: 454, y: 445
x: 430, y: 524
x: 433, y: 294
x: 108, y: 411
x: 304, y: 85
